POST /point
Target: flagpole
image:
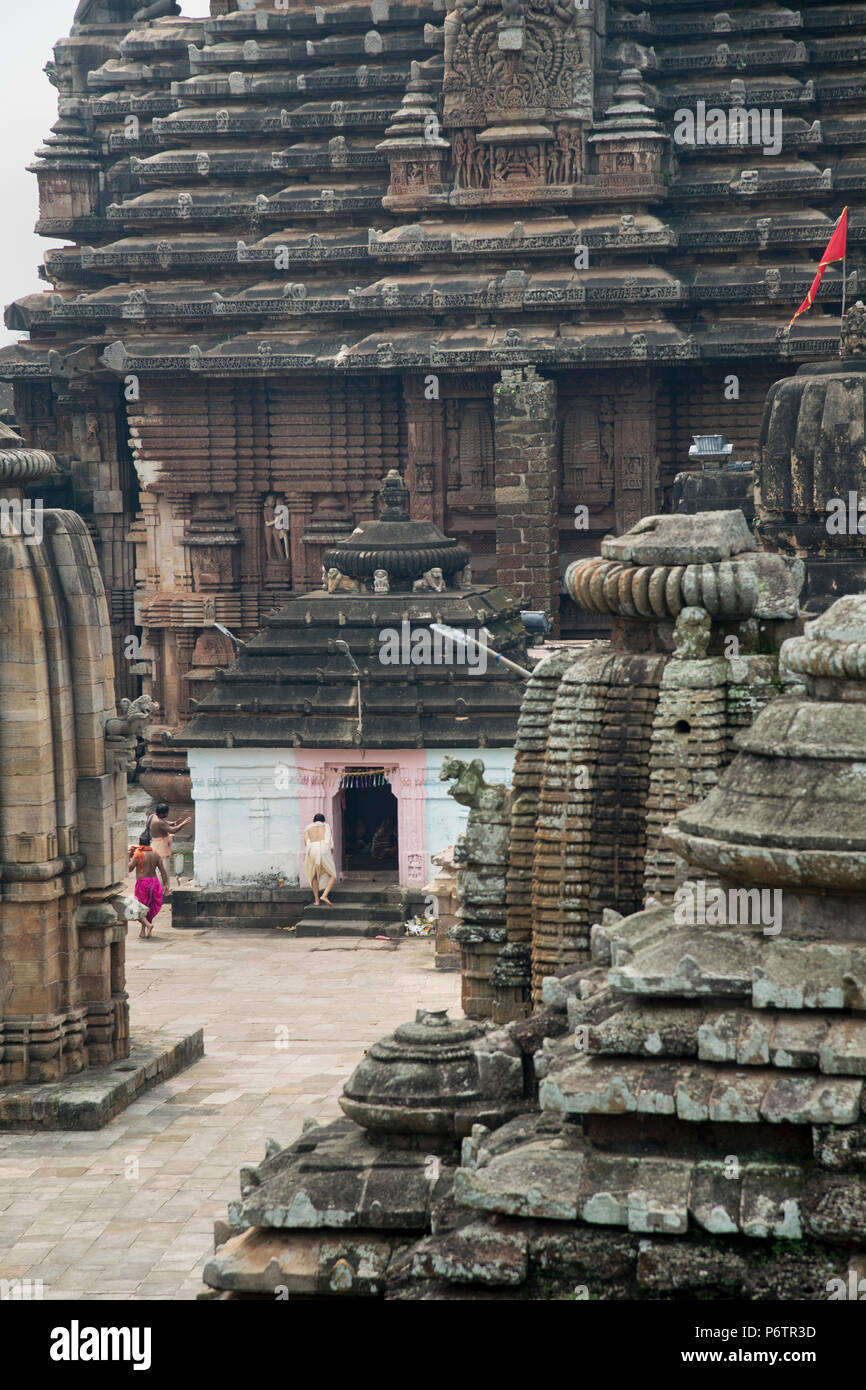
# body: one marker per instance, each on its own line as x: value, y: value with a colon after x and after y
x: 844, y: 287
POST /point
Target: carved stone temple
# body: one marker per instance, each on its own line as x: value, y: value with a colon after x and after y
x: 347, y: 703
x: 697, y: 1097
x: 64, y: 755
x: 475, y: 242
x: 614, y: 738
x: 63, y: 1005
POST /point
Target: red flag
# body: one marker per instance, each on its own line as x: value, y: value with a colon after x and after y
x: 835, y: 252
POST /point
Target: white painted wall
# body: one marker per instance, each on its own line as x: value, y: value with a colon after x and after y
x: 247, y: 816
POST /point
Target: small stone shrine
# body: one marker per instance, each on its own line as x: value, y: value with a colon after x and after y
x: 348, y: 704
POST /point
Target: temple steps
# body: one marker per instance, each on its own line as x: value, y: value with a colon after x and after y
x: 360, y: 911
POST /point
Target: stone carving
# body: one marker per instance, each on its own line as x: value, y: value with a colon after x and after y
x: 276, y: 539
x: 692, y: 632
x: 134, y: 714
x: 342, y: 583
x: 519, y: 58
x: 854, y: 331
x: 469, y: 784
x: 481, y: 854
x: 563, y: 160
x: 380, y: 582
x: 431, y: 579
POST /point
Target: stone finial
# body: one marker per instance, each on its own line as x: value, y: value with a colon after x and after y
x: 832, y: 649
x: 415, y: 1080
x: 395, y: 497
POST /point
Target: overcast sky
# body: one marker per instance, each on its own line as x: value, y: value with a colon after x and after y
x: 28, y: 33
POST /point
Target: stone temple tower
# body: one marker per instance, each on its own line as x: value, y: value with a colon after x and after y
x: 62, y: 791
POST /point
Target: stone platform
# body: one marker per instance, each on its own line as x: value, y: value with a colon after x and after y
x: 244, y: 906
x: 92, y: 1099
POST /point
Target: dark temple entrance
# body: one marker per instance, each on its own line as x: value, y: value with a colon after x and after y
x: 370, y: 843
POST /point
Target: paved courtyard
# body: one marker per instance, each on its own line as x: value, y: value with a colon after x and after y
x: 127, y: 1212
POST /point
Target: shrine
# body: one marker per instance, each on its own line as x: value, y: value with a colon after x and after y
x: 347, y: 705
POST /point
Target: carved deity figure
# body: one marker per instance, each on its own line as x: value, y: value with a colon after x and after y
x: 563, y: 157
x: 276, y: 527
x: 471, y: 161
x: 692, y: 634
x: 381, y: 583
x: 854, y: 331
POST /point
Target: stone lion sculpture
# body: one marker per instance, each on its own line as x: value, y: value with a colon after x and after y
x: 431, y: 579
x: 342, y: 583
x: 470, y: 788
x: 134, y: 714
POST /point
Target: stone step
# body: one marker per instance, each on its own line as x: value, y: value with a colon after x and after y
x: 365, y: 912
x: 347, y: 926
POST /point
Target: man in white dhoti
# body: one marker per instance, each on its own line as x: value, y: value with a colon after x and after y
x: 319, y: 858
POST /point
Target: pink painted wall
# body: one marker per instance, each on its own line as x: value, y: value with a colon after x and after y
x: 319, y: 773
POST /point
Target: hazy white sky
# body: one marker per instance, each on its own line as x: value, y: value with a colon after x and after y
x: 28, y: 33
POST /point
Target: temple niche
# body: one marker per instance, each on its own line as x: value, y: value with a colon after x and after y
x: 517, y: 96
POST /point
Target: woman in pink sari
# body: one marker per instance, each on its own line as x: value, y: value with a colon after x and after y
x: 149, y: 869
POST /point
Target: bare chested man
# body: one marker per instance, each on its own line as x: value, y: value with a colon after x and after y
x: 161, y: 830
x: 149, y: 869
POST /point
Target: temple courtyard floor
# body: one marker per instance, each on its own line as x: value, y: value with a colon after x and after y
x: 127, y: 1212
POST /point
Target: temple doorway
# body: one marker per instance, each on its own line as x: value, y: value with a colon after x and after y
x: 369, y: 823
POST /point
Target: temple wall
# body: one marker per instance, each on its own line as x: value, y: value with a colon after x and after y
x: 251, y: 806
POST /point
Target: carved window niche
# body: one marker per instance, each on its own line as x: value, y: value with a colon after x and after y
x: 415, y: 176
x: 475, y: 447
x: 586, y: 457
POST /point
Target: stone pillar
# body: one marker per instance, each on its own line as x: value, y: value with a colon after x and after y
x: 527, y: 511
x: 481, y: 854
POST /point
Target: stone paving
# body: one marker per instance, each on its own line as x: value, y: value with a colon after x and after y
x: 127, y: 1212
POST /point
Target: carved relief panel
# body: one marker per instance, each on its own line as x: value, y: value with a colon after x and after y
x: 505, y: 57
x: 587, y: 464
